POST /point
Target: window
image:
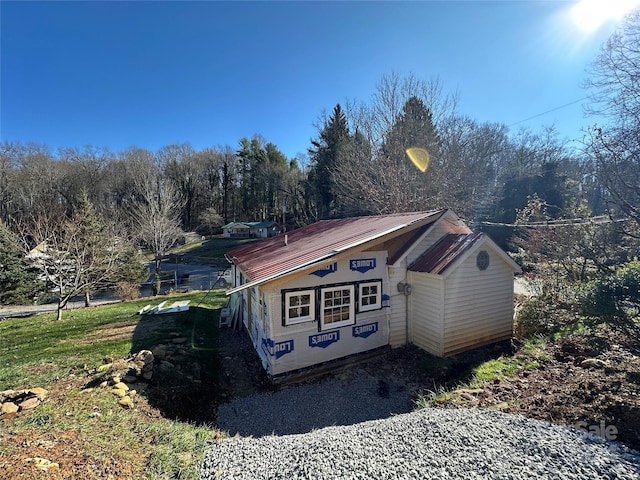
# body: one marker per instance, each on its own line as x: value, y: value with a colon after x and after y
x: 337, y: 307
x: 370, y: 296
x: 299, y: 307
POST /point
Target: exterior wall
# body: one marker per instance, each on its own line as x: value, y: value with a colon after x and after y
x: 427, y: 311
x: 236, y: 232
x: 398, y: 310
x: 478, y: 305
x: 291, y: 347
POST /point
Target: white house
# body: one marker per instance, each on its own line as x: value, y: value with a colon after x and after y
x: 339, y: 287
x: 250, y: 229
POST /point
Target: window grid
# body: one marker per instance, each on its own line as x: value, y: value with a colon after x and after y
x: 370, y: 296
x: 337, y: 307
x: 299, y: 307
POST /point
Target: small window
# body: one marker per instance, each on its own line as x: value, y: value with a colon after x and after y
x: 299, y: 307
x: 337, y: 307
x: 370, y: 296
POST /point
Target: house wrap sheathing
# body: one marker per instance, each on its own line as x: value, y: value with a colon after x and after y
x: 340, y: 287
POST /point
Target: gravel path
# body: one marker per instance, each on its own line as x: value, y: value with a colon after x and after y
x: 305, y: 407
x: 430, y: 443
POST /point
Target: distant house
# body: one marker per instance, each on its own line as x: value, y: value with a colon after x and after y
x: 250, y: 229
x: 345, y: 286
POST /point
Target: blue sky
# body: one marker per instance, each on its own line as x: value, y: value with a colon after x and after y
x: 117, y: 74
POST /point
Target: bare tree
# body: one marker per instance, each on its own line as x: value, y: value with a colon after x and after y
x: 156, y: 216
x: 78, y: 254
x: 614, y: 84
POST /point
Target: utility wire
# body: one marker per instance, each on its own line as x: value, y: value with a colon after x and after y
x: 548, y: 111
x: 565, y: 222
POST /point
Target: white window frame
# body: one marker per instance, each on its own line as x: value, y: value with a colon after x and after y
x: 312, y: 307
x: 361, y: 296
x: 351, y: 320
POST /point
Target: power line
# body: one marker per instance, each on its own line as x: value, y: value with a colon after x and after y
x: 548, y: 111
x: 565, y: 222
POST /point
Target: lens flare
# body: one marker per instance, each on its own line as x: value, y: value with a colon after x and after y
x: 420, y: 158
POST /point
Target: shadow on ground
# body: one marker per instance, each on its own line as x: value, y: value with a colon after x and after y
x: 197, y: 368
x: 184, y: 374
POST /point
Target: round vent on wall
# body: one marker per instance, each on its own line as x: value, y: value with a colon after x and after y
x: 482, y: 260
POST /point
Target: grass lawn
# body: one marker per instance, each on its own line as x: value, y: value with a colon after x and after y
x: 80, y: 425
x: 212, y: 248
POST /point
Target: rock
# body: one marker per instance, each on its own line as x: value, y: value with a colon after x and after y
x: 593, y: 363
x: 104, y: 368
x: 503, y: 406
x: 8, y: 409
x: 115, y: 379
x: 104, y: 384
x: 41, y: 393
x: 119, y: 392
x: 7, y: 394
x: 196, y: 371
x: 29, y: 403
x: 179, y: 340
x: 42, y: 463
x: 147, y: 375
x: 126, y: 402
x: 144, y: 356
x: 121, y: 386
x: 130, y: 379
x: 160, y: 352
x: 132, y: 393
x: 470, y: 391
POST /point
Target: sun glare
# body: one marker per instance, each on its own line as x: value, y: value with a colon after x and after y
x: 591, y: 14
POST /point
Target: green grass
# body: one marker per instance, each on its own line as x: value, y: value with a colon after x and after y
x: 212, y: 248
x: 530, y: 356
x: 62, y: 357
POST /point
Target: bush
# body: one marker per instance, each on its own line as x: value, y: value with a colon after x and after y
x: 535, y: 316
x: 127, y: 291
x: 615, y: 295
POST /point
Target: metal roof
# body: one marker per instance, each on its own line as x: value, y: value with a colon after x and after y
x: 444, y: 252
x: 273, y: 257
x: 263, y: 224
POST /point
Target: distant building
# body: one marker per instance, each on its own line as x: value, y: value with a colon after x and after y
x: 345, y: 286
x: 250, y: 229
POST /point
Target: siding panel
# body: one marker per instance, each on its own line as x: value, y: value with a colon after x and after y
x: 397, y: 314
x: 426, y: 312
x: 478, y: 304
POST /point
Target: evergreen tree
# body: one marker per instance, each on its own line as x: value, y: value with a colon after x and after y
x: 18, y: 281
x: 328, y: 152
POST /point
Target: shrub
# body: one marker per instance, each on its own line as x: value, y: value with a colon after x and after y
x: 127, y: 291
x: 613, y: 296
x: 535, y: 316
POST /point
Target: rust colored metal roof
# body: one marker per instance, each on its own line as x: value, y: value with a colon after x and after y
x: 271, y: 257
x: 444, y: 252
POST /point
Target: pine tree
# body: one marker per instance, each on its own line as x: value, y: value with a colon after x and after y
x: 18, y: 281
x: 327, y: 153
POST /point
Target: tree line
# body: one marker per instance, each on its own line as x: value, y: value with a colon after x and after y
x: 356, y: 165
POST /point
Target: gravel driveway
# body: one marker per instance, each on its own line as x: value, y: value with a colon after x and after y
x: 430, y: 443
